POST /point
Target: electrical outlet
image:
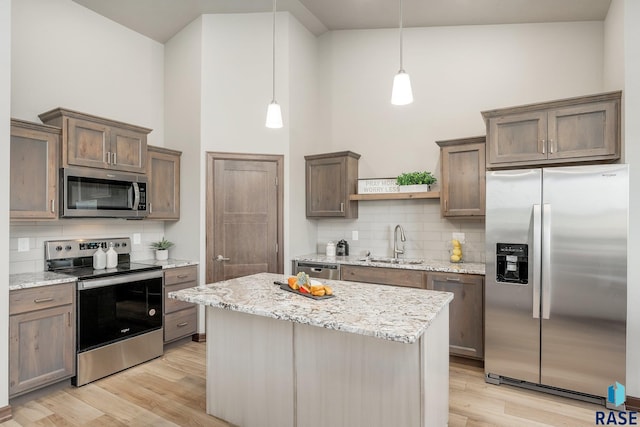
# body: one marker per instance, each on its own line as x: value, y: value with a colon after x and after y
x: 354, y: 235
x: 23, y: 244
x: 136, y: 238
x: 458, y: 236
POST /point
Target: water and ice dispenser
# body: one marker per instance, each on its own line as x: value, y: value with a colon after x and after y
x: 512, y: 264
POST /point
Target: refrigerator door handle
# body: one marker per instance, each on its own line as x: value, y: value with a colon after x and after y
x: 537, y: 237
x: 546, y: 260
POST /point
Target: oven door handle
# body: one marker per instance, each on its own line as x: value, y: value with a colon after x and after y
x: 116, y: 280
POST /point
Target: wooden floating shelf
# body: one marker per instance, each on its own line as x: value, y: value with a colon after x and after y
x: 396, y: 196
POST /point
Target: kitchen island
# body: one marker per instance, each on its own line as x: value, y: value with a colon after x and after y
x: 373, y: 355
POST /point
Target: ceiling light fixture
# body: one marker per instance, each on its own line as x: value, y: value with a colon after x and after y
x: 401, y: 93
x: 274, y: 114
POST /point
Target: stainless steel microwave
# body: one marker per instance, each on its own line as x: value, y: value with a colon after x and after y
x: 97, y: 193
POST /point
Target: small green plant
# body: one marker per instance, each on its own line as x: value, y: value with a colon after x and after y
x: 412, y: 178
x: 162, y: 244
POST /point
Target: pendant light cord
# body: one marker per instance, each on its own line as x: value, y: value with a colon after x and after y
x: 273, y: 59
x: 401, y: 69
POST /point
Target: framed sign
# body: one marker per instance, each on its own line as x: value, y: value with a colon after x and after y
x: 377, y: 186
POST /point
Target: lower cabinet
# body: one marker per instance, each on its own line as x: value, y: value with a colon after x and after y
x: 41, y: 337
x: 180, y: 318
x: 383, y: 276
x: 466, y: 311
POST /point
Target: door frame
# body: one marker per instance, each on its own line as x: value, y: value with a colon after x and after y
x: 278, y: 159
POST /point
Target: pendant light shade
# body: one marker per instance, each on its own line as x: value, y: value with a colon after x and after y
x: 274, y: 113
x: 274, y: 116
x: 401, y: 93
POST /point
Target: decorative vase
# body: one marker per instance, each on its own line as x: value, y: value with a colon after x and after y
x: 162, y: 254
x: 415, y: 188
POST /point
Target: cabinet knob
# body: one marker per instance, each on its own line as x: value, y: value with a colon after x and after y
x: 341, y: 206
x: 543, y: 143
x: 551, y: 146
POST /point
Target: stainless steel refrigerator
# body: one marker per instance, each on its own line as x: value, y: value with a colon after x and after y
x: 556, y: 278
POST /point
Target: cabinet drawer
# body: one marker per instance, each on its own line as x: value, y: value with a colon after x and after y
x: 383, y: 276
x: 180, y: 324
x: 171, y: 305
x: 24, y: 300
x: 181, y: 274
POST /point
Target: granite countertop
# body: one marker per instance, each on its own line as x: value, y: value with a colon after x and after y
x: 42, y: 278
x: 427, y: 265
x: 388, y: 312
x: 168, y: 263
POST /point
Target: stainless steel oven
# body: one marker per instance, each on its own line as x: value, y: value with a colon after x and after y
x: 88, y: 192
x: 118, y: 310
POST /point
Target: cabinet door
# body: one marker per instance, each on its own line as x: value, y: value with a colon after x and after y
x: 34, y: 173
x: 41, y: 348
x: 326, y: 187
x: 86, y: 143
x: 584, y: 132
x: 466, y: 311
x: 128, y: 150
x: 517, y: 138
x: 463, y: 180
x: 163, y: 172
x: 382, y: 276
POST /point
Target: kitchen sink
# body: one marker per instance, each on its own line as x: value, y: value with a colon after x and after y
x: 394, y: 261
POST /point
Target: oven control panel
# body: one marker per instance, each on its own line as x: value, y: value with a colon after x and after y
x: 62, y: 249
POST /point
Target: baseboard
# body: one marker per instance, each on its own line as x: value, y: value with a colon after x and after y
x: 199, y: 337
x: 633, y: 403
x: 5, y: 414
x: 478, y: 363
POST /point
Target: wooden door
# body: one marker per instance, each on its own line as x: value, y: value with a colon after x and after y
x: 466, y: 311
x: 86, y: 143
x: 128, y: 150
x: 584, y: 131
x: 517, y: 138
x: 325, y: 187
x: 34, y: 170
x: 244, y: 215
x: 463, y: 177
x: 163, y: 172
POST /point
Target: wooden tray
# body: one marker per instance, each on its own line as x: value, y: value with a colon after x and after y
x: 285, y: 287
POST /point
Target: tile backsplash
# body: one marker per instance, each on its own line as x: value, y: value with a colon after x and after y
x: 428, y: 234
x: 36, y: 233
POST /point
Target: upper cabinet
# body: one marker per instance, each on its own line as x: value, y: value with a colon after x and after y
x: 462, y: 177
x: 34, y: 170
x: 330, y: 179
x: 100, y: 143
x: 163, y: 173
x: 584, y: 129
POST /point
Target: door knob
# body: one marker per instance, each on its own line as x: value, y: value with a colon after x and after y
x: 221, y: 258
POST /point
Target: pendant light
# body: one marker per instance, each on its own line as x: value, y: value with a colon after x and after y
x: 401, y: 93
x: 274, y: 114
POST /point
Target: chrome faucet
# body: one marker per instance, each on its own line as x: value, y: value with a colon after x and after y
x: 397, y: 251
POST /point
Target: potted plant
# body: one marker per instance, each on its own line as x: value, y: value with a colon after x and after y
x: 162, y: 248
x: 414, y: 182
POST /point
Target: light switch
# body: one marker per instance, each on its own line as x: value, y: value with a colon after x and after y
x: 136, y: 238
x: 23, y: 244
x: 354, y: 235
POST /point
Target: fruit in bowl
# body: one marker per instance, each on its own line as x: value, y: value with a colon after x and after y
x: 302, y: 283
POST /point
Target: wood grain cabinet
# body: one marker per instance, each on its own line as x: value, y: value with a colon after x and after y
x: 163, y: 173
x: 180, y: 318
x: 584, y: 129
x: 466, y: 311
x: 41, y: 337
x: 462, y: 177
x: 98, y: 142
x: 383, y: 276
x: 330, y: 179
x: 34, y: 170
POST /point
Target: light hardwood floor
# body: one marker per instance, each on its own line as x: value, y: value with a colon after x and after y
x: 170, y: 391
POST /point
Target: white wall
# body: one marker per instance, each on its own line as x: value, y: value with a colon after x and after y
x: 5, y: 113
x: 456, y: 72
x: 632, y: 153
x: 65, y: 55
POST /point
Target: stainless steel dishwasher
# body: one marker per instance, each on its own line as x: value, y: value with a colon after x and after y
x: 318, y: 270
